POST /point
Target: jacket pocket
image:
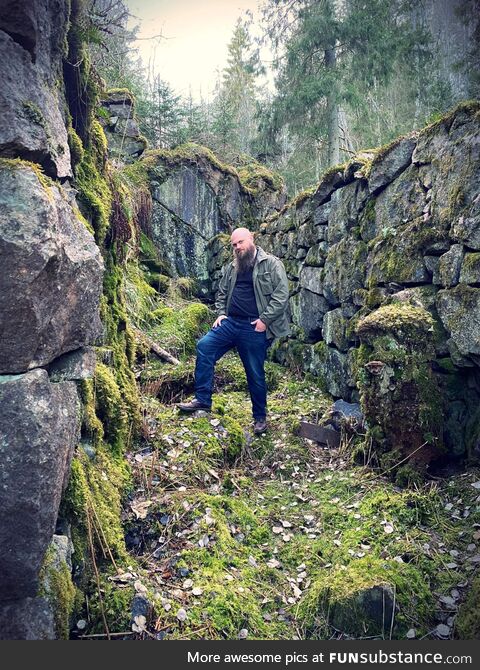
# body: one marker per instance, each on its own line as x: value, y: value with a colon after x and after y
x: 265, y: 283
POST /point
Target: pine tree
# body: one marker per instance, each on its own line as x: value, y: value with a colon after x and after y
x: 235, y: 100
x: 334, y: 55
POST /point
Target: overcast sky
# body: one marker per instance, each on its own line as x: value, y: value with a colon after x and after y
x: 196, y: 34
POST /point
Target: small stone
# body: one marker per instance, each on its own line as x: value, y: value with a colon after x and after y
x: 442, y: 630
x: 81, y: 624
x: 188, y: 583
x: 411, y: 633
x: 197, y: 591
x: 243, y: 634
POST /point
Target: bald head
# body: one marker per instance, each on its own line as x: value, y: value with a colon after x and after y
x: 244, y: 249
x: 241, y: 234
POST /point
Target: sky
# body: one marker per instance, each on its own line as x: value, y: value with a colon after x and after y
x: 195, y: 38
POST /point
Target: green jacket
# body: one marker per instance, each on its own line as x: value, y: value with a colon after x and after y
x: 270, y: 285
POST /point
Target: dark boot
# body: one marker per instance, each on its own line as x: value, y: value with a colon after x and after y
x: 192, y: 406
x: 260, y: 426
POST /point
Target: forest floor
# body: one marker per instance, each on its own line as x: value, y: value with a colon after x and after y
x: 233, y: 536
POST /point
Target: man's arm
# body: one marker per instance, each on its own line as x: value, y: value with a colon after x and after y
x: 222, y: 293
x: 279, y: 298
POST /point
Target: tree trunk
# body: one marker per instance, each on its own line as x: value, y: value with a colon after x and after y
x: 332, y: 113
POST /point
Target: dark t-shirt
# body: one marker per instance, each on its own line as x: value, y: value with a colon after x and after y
x: 243, y: 301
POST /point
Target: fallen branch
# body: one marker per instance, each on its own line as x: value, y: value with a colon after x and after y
x: 159, y: 351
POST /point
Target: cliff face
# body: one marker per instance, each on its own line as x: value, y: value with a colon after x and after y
x: 194, y: 198
x: 50, y: 288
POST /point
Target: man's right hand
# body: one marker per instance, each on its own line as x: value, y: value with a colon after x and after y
x: 219, y: 320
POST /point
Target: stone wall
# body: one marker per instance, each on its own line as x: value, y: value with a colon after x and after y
x: 395, y: 227
x: 50, y: 287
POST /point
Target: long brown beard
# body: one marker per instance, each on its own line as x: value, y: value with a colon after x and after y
x: 246, y: 261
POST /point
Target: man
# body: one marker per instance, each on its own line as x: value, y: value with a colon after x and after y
x: 251, y: 303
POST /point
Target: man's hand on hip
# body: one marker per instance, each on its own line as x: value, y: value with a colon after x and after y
x: 219, y: 320
x: 260, y: 327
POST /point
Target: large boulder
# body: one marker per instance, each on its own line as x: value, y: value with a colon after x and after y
x: 390, y: 162
x: 117, y: 117
x: 51, y: 278
x: 400, y: 395
x: 344, y: 270
x: 32, y: 122
x: 307, y: 310
x: 450, y: 152
x: 459, y: 311
x: 27, y: 619
x: 39, y: 428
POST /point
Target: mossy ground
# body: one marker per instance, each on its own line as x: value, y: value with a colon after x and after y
x: 273, y: 534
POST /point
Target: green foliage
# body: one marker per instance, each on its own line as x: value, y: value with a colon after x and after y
x: 179, y: 329
x: 57, y: 588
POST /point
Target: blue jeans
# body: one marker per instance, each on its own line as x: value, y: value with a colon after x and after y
x: 252, y: 348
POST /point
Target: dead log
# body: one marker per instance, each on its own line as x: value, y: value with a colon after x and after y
x: 153, y: 346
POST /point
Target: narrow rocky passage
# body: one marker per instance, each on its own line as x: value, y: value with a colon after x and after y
x: 276, y: 537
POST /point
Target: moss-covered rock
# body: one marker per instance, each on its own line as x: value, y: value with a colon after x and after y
x: 399, y: 392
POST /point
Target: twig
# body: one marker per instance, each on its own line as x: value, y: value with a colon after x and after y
x: 128, y: 632
x: 104, y: 538
x: 393, y: 609
x: 97, y: 576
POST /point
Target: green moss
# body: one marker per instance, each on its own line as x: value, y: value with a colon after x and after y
x: 339, y: 598
x: 58, y: 589
x: 19, y: 164
x: 254, y: 175
x: 110, y: 409
x: 186, y: 286
x: 140, y: 296
x: 122, y: 91
x: 76, y: 147
x: 33, y: 113
x: 403, y: 319
x: 92, y: 503
x: 92, y: 427
x: 179, y: 330
x: 94, y: 195
x: 468, y: 618
x: 470, y: 107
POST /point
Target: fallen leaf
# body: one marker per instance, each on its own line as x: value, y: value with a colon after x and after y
x: 140, y: 508
x: 273, y: 563
x: 139, y: 587
x: 139, y: 624
x: 181, y: 614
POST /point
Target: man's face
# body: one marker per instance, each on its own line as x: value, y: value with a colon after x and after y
x: 242, y: 244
